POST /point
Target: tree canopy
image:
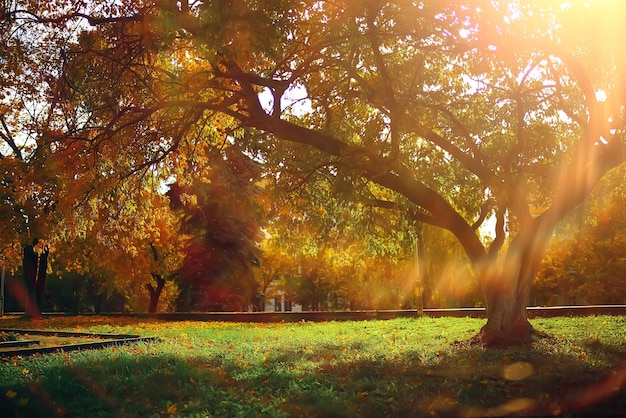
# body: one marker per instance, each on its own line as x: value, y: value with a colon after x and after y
x: 453, y: 113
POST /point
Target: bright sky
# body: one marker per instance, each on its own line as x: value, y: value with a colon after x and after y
x: 295, y: 98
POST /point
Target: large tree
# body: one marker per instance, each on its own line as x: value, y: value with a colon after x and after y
x: 466, y: 111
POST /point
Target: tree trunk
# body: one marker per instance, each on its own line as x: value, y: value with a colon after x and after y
x: 507, y: 291
x: 30, y: 262
x: 40, y: 287
x: 507, y: 321
x: 155, y: 292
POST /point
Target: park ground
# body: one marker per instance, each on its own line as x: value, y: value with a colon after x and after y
x: 400, y: 367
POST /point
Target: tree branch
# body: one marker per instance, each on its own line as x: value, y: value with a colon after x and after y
x: 470, y: 163
x: 484, y: 211
x: 373, y: 8
x: 465, y: 133
x: 498, y: 241
x: 8, y: 138
x: 393, y: 175
x: 22, y: 14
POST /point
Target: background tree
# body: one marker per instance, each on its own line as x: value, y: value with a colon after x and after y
x: 275, y: 266
x: 84, y: 279
x: 459, y: 112
x: 352, y: 251
x: 223, y: 219
x: 586, y: 262
x: 115, y: 254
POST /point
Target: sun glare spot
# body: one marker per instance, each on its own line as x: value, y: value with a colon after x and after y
x: 513, y: 407
x: 518, y: 371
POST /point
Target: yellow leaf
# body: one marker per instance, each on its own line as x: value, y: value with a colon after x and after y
x: 10, y: 394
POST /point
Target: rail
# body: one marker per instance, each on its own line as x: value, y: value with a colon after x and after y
x: 320, y: 316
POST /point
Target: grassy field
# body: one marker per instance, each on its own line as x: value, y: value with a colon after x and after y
x: 401, y: 367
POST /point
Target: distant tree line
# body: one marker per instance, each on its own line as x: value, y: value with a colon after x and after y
x: 229, y: 263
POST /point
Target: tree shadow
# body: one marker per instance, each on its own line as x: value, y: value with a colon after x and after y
x: 472, y: 381
x: 463, y: 380
x: 549, y: 376
x: 128, y: 386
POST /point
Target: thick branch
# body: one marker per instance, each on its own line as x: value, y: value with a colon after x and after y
x: 394, y: 177
x: 8, y: 138
x: 484, y: 211
x: 498, y: 241
x: 93, y: 21
x: 442, y: 213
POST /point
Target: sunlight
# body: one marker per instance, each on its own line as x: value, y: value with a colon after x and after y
x: 295, y: 101
x: 514, y: 407
x: 518, y: 371
x: 454, y: 287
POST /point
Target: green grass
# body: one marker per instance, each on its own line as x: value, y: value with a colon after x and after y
x: 400, y: 367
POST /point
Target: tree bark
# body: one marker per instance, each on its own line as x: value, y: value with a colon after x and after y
x: 507, y: 320
x: 506, y: 291
x: 35, y: 263
x: 40, y: 287
x: 155, y: 292
x: 30, y: 263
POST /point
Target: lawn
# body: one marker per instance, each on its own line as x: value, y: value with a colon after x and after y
x: 401, y: 367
